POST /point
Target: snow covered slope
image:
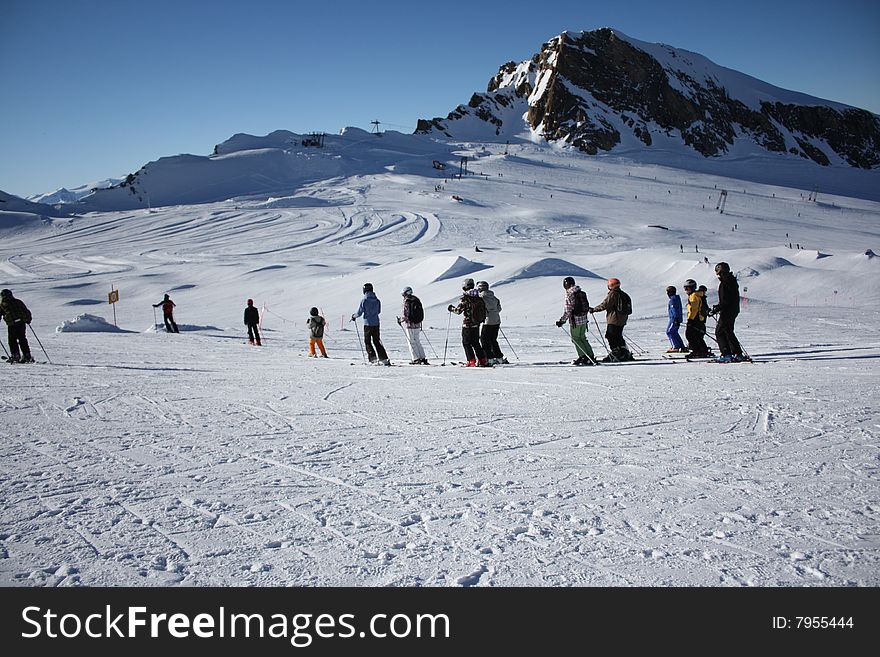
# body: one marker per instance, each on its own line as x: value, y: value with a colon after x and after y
x: 63, y: 195
x: 278, y: 164
x: 143, y: 458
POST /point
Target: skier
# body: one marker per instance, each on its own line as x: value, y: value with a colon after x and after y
x: 492, y: 325
x: 577, y: 314
x: 618, y: 307
x: 727, y: 310
x: 316, y: 325
x: 696, y: 321
x: 17, y: 317
x: 674, y: 307
x: 251, y: 320
x: 168, y: 314
x: 413, y: 315
x: 370, y: 308
x: 474, y: 311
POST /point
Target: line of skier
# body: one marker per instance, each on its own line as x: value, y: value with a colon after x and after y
x: 480, y: 310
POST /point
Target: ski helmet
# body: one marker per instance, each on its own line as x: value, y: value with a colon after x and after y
x: 406, y: 291
x: 690, y: 284
x: 567, y: 282
x: 167, y: 297
x: 671, y: 290
x: 313, y: 312
x: 368, y: 287
x: 250, y: 302
x: 722, y: 267
x: 6, y: 294
x: 482, y: 286
x: 613, y: 283
x: 467, y: 284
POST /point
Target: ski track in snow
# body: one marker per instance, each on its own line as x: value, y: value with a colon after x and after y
x: 152, y: 459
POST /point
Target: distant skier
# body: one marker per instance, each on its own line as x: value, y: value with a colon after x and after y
x: 252, y: 320
x: 316, y: 325
x: 168, y: 314
x: 17, y: 317
x: 412, y: 316
x: 696, y: 320
x: 370, y: 308
x: 727, y: 310
x: 492, y: 325
x: 618, y: 307
x: 675, y: 317
x: 577, y: 314
x: 472, y: 307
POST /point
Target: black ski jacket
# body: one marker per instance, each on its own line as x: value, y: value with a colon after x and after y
x: 251, y: 316
x: 728, y: 295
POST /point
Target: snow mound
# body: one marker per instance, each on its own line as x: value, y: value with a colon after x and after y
x: 86, y: 323
x: 14, y: 221
x: 549, y: 267
x: 763, y: 265
x: 443, y: 268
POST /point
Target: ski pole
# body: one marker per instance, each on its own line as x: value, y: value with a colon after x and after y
x: 508, y: 342
x: 357, y: 330
x: 155, y: 320
x: 448, y: 323
x: 641, y: 350
x: 4, y: 350
x: 428, y: 341
x: 40, y: 343
x: 601, y: 337
x: 406, y: 337
x: 565, y: 330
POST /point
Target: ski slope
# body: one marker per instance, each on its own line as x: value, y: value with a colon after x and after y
x: 143, y: 458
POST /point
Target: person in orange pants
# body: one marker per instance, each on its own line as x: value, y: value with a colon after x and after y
x: 316, y: 333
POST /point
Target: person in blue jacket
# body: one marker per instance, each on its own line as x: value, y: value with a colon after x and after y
x: 370, y: 308
x: 675, y: 318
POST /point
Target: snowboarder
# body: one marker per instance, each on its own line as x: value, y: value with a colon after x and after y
x: 727, y: 310
x: 577, y: 314
x: 489, y: 332
x: 251, y: 320
x: 474, y: 310
x: 168, y: 314
x: 618, y: 307
x: 17, y: 317
x: 675, y: 317
x: 370, y: 308
x: 696, y: 321
x: 413, y: 315
x: 316, y: 325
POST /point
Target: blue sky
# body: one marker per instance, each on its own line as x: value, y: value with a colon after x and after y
x: 97, y: 88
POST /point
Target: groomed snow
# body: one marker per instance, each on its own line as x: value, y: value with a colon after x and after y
x: 146, y: 458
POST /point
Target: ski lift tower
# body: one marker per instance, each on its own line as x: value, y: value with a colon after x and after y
x: 376, y: 128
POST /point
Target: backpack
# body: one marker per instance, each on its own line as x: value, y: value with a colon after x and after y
x: 416, y: 312
x: 581, y: 305
x: 625, y: 304
x: 478, y: 310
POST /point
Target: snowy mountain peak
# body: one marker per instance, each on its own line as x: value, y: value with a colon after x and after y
x: 604, y: 91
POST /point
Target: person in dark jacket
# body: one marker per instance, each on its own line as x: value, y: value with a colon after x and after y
x: 168, y: 314
x: 316, y: 325
x: 726, y: 311
x: 615, y: 319
x: 17, y: 317
x: 252, y: 320
x: 473, y: 310
x: 675, y: 317
x: 370, y: 308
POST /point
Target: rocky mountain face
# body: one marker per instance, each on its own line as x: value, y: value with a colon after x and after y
x: 601, y: 90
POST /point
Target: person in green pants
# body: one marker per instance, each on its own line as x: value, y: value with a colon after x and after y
x: 577, y: 314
